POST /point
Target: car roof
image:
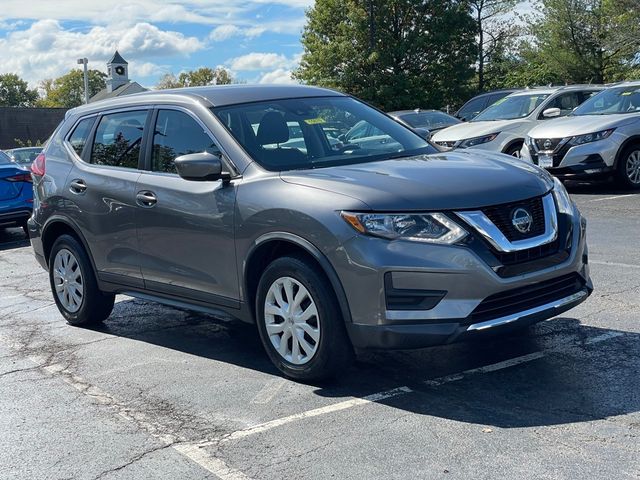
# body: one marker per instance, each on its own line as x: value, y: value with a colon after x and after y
x: 551, y: 90
x: 215, y: 95
x: 417, y: 110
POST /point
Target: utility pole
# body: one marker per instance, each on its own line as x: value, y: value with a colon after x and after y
x: 84, y: 62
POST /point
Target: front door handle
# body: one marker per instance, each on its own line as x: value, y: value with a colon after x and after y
x: 146, y: 199
x: 77, y: 186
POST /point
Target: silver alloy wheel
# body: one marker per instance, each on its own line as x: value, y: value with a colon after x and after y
x: 292, y: 321
x: 633, y: 167
x: 67, y: 280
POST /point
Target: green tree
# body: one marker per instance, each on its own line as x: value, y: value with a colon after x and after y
x: 393, y: 53
x: 15, y: 92
x: 589, y: 40
x: 196, y: 78
x: 68, y: 90
x: 495, y: 29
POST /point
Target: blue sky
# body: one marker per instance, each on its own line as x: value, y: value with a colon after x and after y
x: 258, y: 40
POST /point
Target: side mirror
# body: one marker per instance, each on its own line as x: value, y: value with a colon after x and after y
x: 551, y: 113
x: 423, y: 132
x: 200, y: 167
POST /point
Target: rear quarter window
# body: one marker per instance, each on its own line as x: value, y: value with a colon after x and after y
x: 80, y: 135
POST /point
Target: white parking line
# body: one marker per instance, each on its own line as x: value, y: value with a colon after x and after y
x: 612, y: 198
x: 516, y: 361
x: 614, y: 264
x: 263, y: 427
x: 214, y: 465
x: 270, y: 390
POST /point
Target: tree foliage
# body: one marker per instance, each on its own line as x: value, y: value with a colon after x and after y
x: 68, y: 90
x: 392, y: 53
x: 589, y: 40
x: 15, y: 92
x: 196, y: 78
x: 496, y: 31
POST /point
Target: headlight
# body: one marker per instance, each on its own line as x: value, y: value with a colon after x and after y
x: 591, y: 137
x: 472, y: 142
x: 563, y: 201
x: 419, y: 227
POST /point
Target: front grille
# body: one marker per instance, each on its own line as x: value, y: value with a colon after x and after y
x: 557, y: 156
x: 501, y: 216
x: 528, y: 255
x: 547, y: 144
x: 446, y: 144
x: 519, y: 299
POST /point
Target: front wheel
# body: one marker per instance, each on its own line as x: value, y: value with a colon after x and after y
x: 74, y: 286
x: 628, y: 171
x: 514, y: 150
x: 299, y: 321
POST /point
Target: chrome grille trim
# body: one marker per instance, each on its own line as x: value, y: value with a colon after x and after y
x: 485, y: 227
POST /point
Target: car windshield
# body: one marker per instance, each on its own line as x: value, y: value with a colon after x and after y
x: 318, y: 132
x: 4, y: 158
x: 429, y: 120
x: 512, y: 107
x: 612, y: 101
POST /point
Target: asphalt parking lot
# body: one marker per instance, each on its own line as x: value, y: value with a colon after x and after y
x: 164, y: 393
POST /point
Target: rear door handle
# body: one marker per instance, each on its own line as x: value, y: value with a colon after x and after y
x: 77, y: 186
x: 146, y: 199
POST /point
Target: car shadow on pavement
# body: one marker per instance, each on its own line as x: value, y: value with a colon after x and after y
x: 599, y: 187
x: 13, y: 238
x: 570, y: 378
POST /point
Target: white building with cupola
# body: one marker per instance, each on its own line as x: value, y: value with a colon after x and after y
x: 118, y: 82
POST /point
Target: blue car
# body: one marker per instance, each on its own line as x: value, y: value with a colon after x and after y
x: 16, y: 194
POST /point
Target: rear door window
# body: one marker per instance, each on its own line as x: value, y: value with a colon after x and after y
x: 78, y: 139
x: 472, y: 108
x: 177, y: 133
x: 118, y: 139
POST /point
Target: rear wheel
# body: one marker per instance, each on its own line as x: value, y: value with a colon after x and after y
x: 74, y: 286
x: 628, y: 171
x: 299, y: 321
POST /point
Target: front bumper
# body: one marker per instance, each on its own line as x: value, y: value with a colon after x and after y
x: 458, y: 276
x: 425, y: 335
x: 591, y: 160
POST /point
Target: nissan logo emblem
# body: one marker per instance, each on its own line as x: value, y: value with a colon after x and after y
x: 548, y: 143
x: 521, y: 220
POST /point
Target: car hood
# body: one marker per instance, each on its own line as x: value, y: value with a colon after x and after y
x: 462, y: 131
x: 439, y: 181
x: 580, y: 125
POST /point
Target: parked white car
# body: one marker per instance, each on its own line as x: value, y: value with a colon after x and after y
x: 503, y: 126
x: 600, y: 138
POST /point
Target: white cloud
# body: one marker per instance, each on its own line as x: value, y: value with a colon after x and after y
x: 258, y: 61
x: 224, y: 32
x: 280, y: 75
x: 47, y: 50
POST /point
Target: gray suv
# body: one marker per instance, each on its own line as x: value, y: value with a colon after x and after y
x: 239, y: 199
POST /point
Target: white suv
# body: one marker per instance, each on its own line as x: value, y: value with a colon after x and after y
x: 504, y: 125
x: 600, y: 138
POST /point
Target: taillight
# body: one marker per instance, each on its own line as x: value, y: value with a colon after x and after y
x: 38, y: 165
x: 23, y: 177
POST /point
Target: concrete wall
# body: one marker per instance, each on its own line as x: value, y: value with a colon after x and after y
x: 27, y: 124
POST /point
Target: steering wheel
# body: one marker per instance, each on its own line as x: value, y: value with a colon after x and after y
x: 348, y: 146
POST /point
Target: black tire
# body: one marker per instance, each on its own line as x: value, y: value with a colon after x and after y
x: 95, y: 306
x: 334, y: 351
x: 621, y: 169
x: 514, y: 150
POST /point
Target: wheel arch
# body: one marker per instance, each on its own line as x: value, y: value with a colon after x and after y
x: 273, y: 245
x: 58, y: 226
x: 632, y: 140
x: 512, y: 143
